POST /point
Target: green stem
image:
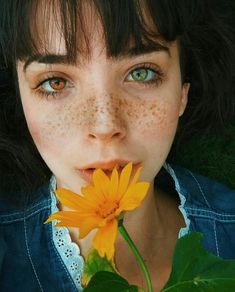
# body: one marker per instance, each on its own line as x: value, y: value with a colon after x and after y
x: 144, y: 268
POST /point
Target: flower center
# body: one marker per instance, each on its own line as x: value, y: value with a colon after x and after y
x: 107, y: 208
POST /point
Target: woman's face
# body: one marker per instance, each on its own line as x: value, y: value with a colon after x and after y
x: 102, y: 111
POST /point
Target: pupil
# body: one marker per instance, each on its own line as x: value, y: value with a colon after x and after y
x: 140, y: 74
x: 57, y: 84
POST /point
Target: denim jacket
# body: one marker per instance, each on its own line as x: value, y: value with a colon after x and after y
x: 38, y: 257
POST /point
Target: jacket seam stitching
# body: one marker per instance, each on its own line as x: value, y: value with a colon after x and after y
x: 19, y: 213
x: 211, y: 212
x: 22, y: 218
x: 29, y: 255
x: 200, y: 189
x: 216, y: 241
x: 214, y: 219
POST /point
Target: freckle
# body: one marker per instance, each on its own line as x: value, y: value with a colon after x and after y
x: 123, y: 103
x: 153, y: 106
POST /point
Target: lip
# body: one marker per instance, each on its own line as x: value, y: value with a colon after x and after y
x: 107, y: 164
x: 87, y: 172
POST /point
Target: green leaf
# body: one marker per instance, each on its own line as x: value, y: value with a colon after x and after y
x: 195, y: 269
x: 95, y: 263
x: 109, y: 282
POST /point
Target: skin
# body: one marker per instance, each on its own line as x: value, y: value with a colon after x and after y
x: 102, y: 115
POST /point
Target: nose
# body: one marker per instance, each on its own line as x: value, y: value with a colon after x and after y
x: 107, y: 122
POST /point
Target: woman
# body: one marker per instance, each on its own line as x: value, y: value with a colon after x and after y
x: 96, y: 84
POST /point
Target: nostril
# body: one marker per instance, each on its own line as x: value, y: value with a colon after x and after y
x: 117, y: 134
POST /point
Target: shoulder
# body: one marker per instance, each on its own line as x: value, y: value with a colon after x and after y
x: 208, y: 207
x: 10, y: 213
x: 202, y: 192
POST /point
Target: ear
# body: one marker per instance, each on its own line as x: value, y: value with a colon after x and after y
x: 184, y: 98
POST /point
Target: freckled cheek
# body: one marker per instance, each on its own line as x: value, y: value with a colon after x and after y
x: 50, y: 131
x: 157, y: 119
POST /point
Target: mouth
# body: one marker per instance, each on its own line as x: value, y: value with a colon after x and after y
x: 107, y: 167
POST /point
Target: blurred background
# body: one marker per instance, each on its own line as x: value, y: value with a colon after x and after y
x: 213, y: 156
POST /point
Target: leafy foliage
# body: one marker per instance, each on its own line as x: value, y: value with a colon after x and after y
x: 95, y: 263
x: 109, y: 282
x: 195, y: 269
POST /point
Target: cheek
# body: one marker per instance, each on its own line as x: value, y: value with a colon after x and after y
x: 156, y: 118
x: 57, y: 125
x: 50, y: 125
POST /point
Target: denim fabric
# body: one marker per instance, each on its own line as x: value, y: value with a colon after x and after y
x: 30, y: 262
x: 210, y: 209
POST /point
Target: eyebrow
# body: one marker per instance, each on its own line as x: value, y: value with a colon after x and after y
x: 47, y: 59
x: 130, y: 53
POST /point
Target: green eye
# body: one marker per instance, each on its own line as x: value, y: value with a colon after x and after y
x: 141, y: 75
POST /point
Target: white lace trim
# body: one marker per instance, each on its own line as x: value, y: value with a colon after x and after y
x: 68, y: 250
x: 183, y: 231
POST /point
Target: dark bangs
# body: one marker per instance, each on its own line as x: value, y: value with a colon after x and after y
x: 137, y: 23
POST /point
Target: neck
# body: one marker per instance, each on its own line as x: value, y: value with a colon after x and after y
x: 154, y: 229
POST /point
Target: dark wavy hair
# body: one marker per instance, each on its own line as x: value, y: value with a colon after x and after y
x: 207, y: 55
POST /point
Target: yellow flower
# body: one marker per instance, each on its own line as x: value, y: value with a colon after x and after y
x: 101, y: 205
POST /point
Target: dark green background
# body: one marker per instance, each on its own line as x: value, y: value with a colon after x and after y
x: 214, y: 156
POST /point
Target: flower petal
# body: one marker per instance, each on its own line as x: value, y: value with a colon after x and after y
x: 101, y: 182
x: 134, y: 196
x: 72, y: 216
x: 136, y: 176
x: 90, y: 193
x: 124, y: 179
x: 85, y: 223
x: 104, y: 239
x: 73, y: 201
x: 113, y: 184
x: 69, y: 216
